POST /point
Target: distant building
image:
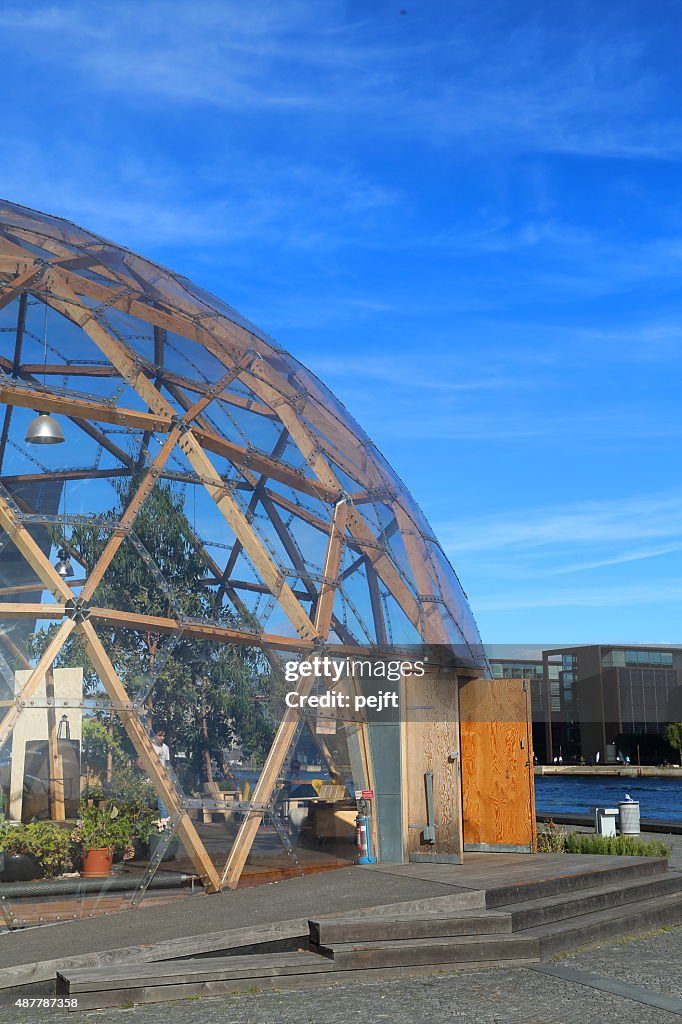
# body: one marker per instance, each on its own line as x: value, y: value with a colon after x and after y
x: 614, y: 700
x: 538, y: 673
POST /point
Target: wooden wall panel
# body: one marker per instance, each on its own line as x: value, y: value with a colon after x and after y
x: 497, y: 763
x: 429, y: 737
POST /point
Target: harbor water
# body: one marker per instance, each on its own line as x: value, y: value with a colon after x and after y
x: 659, y: 798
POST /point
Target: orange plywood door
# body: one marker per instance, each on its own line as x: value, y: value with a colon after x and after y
x: 430, y: 747
x: 498, y: 803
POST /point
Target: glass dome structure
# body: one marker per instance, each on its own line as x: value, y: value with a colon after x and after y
x: 210, y: 489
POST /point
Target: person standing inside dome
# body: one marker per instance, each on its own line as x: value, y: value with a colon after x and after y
x: 160, y: 748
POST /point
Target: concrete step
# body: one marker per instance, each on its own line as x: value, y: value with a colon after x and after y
x: 418, y: 952
x: 612, y: 874
x: 642, y: 916
x: 557, y: 908
x: 402, y: 926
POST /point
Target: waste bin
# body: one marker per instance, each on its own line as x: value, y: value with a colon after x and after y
x: 629, y: 817
x: 605, y: 820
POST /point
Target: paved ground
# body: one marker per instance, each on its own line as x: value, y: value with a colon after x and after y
x: 325, y: 893
x: 494, y: 996
x: 652, y: 964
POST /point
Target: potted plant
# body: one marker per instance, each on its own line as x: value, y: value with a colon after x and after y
x: 134, y: 796
x: 41, y: 848
x: 99, y: 832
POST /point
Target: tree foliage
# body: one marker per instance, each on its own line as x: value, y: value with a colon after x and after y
x: 673, y: 736
x: 202, y: 691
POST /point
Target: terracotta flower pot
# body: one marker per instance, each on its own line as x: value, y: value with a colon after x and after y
x: 97, y: 863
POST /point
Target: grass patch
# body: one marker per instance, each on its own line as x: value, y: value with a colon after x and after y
x: 553, y: 838
x: 618, y: 846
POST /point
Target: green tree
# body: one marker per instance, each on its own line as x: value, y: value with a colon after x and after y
x: 673, y: 736
x: 203, y: 691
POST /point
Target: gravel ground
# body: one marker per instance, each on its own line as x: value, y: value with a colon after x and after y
x: 494, y: 996
x: 654, y: 964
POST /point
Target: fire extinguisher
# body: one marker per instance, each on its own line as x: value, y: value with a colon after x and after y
x: 363, y: 838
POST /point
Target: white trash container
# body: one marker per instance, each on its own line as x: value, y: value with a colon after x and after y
x: 629, y: 817
x: 605, y: 820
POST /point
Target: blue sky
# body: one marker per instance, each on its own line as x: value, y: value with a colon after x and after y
x: 465, y: 219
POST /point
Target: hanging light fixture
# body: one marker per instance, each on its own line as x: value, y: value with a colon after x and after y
x: 64, y: 566
x: 44, y: 429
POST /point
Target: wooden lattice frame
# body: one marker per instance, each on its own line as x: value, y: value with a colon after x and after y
x: 76, y: 276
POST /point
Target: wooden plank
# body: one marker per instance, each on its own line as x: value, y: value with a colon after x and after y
x: 429, y: 739
x: 179, y: 972
x: 497, y: 758
x: 416, y: 952
x: 152, y: 764
x: 409, y: 926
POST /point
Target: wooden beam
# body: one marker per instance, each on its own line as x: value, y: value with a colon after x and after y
x: 45, y: 401
x: 264, y: 788
x: 330, y: 570
x: 11, y: 610
x: 128, y: 518
x: 152, y: 763
x: 192, y: 448
x: 265, y: 465
x: 84, y: 425
x: 419, y: 559
x: 18, y: 344
x: 20, y: 283
x: 220, y: 634
x: 376, y: 604
x: 16, y: 652
x: 30, y: 686
x: 41, y: 565
x: 258, y: 488
x: 55, y: 766
x: 248, y: 538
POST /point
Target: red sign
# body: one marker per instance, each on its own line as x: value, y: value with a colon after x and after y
x: 368, y: 794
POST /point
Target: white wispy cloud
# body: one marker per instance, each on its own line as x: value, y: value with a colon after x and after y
x: 635, y: 555
x: 510, y: 77
x: 662, y: 593
x: 591, y: 522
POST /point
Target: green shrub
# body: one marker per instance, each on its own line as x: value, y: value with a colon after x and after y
x: 49, y: 843
x: 622, y: 846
